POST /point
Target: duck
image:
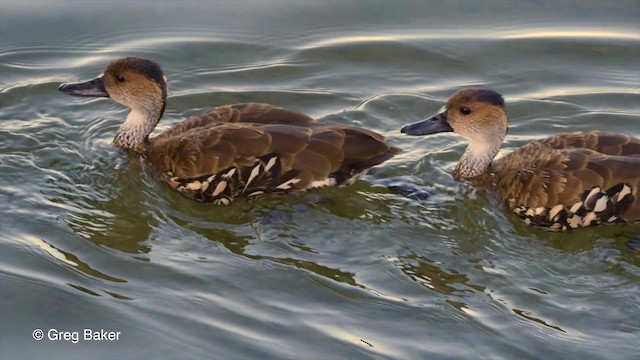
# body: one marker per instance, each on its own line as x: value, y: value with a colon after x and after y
x: 231, y: 151
x: 565, y: 181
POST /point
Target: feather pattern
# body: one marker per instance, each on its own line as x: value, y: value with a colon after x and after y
x: 266, y: 149
x: 593, y: 175
x: 560, y: 182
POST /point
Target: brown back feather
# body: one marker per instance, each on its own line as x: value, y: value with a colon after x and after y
x: 605, y: 142
x: 237, y: 135
x: 559, y: 169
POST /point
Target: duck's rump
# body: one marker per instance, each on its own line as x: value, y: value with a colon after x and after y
x: 593, y: 175
x: 248, y: 149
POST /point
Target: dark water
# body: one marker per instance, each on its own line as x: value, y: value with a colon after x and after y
x: 86, y: 241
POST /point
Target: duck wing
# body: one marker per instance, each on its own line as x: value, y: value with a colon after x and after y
x: 256, y: 148
x: 573, y: 179
x: 238, y: 113
x: 605, y: 142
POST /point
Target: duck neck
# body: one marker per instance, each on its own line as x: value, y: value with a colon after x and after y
x: 477, y: 158
x: 140, y: 122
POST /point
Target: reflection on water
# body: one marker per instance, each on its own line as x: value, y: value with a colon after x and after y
x: 450, y: 34
x: 433, y: 277
x: 72, y: 260
x: 528, y: 316
x: 287, y: 237
x: 101, y: 211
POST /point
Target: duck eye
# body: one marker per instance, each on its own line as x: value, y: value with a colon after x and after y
x: 120, y: 78
x: 465, y: 110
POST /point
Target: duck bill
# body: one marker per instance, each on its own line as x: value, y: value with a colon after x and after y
x: 433, y: 125
x: 92, y: 88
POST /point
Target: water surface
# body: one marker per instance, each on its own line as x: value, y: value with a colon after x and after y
x: 363, y: 272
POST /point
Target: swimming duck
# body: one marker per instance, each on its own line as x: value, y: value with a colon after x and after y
x: 560, y: 182
x: 233, y: 150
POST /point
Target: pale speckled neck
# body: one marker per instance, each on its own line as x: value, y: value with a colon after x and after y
x: 133, y: 134
x: 477, y: 158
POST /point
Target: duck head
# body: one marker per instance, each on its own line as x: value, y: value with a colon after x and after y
x: 477, y: 114
x: 133, y: 82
